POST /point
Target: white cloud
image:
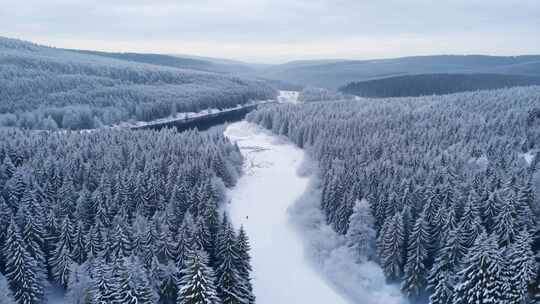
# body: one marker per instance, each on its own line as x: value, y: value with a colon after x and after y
x: 280, y: 29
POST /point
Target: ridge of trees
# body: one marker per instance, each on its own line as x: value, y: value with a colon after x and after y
x: 436, y: 84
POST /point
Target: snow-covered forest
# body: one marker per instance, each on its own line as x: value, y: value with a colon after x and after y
x: 120, y: 217
x: 430, y: 84
x: 441, y: 191
x: 48, y: 88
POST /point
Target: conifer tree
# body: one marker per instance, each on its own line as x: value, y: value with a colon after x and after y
x: 103, y: 286
x: 417, y: 255
x: 22, y: 269
x: 481, y: 280
x: 231, y: 287
x: 361, y: 235
x: 520, y: 268
x: 196, y: 284
x: 244, y: 263
x: 392, y: 245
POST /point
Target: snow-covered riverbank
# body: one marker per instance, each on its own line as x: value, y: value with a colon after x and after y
x: 260, y: 200
x: 297, y: 257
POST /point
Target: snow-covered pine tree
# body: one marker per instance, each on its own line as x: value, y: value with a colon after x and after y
x: 481, y: 280
x: 61, y: 256
x: 231, y: 287
x: 417, y: 254
x: 392, y: 245
x: 520, y: 268
x: 133, y: 286
x: 102, y: 285
x: 196, y: 284
x: 22, y: 270
x: 490, y: 209
x: 442, y: 276
x: 244, y: 262
x: 361, y: 235
x: 78, y: 252
x: 504, y: 227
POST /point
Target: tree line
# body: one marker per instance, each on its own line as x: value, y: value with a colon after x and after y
x: 120, y: 217
x: 435, y: 84
x: 441, y: 191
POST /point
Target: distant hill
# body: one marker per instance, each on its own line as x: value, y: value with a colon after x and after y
x: 336, y: 73
x: 181, y: 61
x: 436, y: 84
x: 44, y: 87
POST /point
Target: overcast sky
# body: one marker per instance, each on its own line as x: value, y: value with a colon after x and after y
x: 280, y: 30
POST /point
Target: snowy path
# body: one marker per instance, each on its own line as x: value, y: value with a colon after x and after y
x: 259, y: 201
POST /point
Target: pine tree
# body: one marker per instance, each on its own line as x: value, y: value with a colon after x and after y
x: 78, y: 253
x: 442, y: 277
x: 103, y: 286
x: 391, y: 247
x: 94, y: 243
x: 361, y: 235
x: 196, y: 283
x: 244, y: 263
x: 61, y: 259
x: 504, y: 222
x: 490, y: 209
x: 231, y: 287
x: 521, y: 268
x: 417, y: 255
x: 21, y: 269
x: 132, y: 282
x: 481, y: 280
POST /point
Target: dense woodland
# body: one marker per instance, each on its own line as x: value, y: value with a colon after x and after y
x: 436, y: 84
x: 311, y: 94
x: 120, y: 217
x: 441, y: 191
x: 48, y: 88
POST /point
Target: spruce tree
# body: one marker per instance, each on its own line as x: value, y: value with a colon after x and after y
x: 392, y: 246
x: 442, y: 276
x: 103, y: 286
x: 481, y: 281
x: 231, y: 287
x: 196, y: 284
x: 520, y: 268
x: 244, y: 263
x: 417, y: 255
x: 22, y: 270
x: 361, y: 235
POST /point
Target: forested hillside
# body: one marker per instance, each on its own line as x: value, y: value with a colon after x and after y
x: 332, y: 74
x: 119, y: 217
x: 441, y: 191
x: 200, y: 64
x: 435, y: 84
x: 48, y: 88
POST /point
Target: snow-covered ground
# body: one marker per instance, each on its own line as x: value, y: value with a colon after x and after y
x: 269, y: 186
x: 288, y: 97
